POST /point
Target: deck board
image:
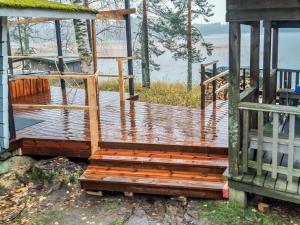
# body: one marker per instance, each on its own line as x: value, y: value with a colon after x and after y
x: 130, y: 122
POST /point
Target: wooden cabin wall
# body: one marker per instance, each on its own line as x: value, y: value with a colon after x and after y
x: 22, y: 88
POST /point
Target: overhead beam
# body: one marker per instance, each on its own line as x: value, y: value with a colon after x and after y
x: 118, y: 14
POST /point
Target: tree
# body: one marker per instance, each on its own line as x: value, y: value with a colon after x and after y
x: 82, y: 40
x: 174, y: 29
x: 145, y: 47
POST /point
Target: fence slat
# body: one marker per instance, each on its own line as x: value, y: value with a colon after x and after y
x: 290, y: 80
x: 280, y: 79
x: 275, y: 145
x: 297, y: 78
x: 291, y: 148
x: 260, y: 133
x: 245, y: 140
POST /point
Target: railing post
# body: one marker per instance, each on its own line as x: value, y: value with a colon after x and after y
x: 121, y: 80
x: 214, y: 83
x: 202, y: 87
x: 275, y: 145
x: 245, y: 140
x: 93, y: 114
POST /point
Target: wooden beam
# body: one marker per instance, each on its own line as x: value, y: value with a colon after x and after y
x: 220, y: 75
x: 52, y: 77
x: 118, y: 14
x: 93, y: 114
x: 30, y: 20
x: 254, y: 54
x: 94, y: 45
x: 60, y: 52
x: 38, y: 107
x: 267, y: 62
x: 275, y: 48
x: 234, y: 96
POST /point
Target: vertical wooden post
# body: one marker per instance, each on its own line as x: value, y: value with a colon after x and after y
x: 202, y: 87
x: 234, y: 96
x: 254, y: 55
x: 275, y: 48
x: 94, y: 46
x: 60, y: 52
x: 129, y: 48
x: 121, y: 80
x: 267, y: 61
x: 214, y: 83
x: 93, y: 114
x: 254, y: 67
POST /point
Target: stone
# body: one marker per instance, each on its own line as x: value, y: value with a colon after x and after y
x: 139, y: 217
x: 12, y: 169
x: 5, y: 155
x: 263, y: 207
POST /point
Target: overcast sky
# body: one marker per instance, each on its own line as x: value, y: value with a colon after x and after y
x: 219, y: 11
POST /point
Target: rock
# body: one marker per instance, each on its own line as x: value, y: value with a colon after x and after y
x: 12, y: 169
x: 5, y: 155
x: 263, y: 207
x: 139, y: 217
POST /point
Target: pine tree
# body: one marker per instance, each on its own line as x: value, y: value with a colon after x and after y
x: 174, y: 29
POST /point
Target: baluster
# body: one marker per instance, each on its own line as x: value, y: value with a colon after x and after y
x: 260, y: 133
x: 297, y: 79
x: 280, y: 78
x: 289, y: 80
x: 285, y: 80
x: 291, y: 148
x: 275, y: 145
x: 245, y: 140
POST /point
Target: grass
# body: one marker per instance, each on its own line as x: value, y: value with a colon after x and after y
x: 222, y: 213
x: 42, y: 4
x: 161, y: 93
x: 117, y: 222
x: 48, y: 218
x: 111, y: 205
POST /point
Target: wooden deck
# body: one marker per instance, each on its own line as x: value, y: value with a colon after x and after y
x: 145, y: 148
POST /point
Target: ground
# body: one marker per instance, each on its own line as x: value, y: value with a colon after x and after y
x: 49, y: 193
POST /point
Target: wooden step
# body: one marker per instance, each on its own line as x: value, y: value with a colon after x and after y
x: 160, y: 160
x: 151, y: 181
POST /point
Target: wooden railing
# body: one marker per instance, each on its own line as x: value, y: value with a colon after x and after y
x: 92, y: 106
x: 274, y: 141
x: 211, y: 81
x: 120, y: 76
x: 288, y: 78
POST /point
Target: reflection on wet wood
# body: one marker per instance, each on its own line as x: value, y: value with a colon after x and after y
x: 128, y: 122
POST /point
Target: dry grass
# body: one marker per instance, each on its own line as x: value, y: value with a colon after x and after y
x: 161, y: 93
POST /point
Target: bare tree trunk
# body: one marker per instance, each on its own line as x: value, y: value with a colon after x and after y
x: 189, y: 47
x: 145, y: 47
x: 82, y: 40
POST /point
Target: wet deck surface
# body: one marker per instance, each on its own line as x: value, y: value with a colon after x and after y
x: 130, y: 122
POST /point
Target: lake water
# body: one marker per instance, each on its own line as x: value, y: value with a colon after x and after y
x: 171, y: 70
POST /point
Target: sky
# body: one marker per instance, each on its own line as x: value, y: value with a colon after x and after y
x: 219, y: 11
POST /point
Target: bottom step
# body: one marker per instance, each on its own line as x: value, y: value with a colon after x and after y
x: 147, y: 181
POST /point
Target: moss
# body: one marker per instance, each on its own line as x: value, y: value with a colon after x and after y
x: 111, y: 205
x: 42, y: 4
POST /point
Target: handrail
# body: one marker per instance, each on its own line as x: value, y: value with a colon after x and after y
x: 69, y: 57
x: 220, y: 75
x: 224, y: 87
x: 210, y: 63
x: 247, y: 92
x: 269, y: 108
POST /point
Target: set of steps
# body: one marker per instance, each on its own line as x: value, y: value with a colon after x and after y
x: 178, y: 173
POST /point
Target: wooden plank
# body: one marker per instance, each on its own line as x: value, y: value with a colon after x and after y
x: 52, y: 77
x: 93, y: 114
x: 281, y: 182
x: 121, y: 81
x: 266, y: 62
x: 248, y: 92
x: 214, y: 83
x: 245, y: 140
x: 281, y: 79
x: 260, y: 133
x: 275, y: 145
x: 254, y: 54
x: 275, y: 48
x: 94, y: 45
x: 38, y: 107
x: 291, y: 147
x: 234, y: 96
x: 257, y: 4
x: 214, y: 78
x: 269, y: 108
x: 115, y: 14
x: 202, y: 87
